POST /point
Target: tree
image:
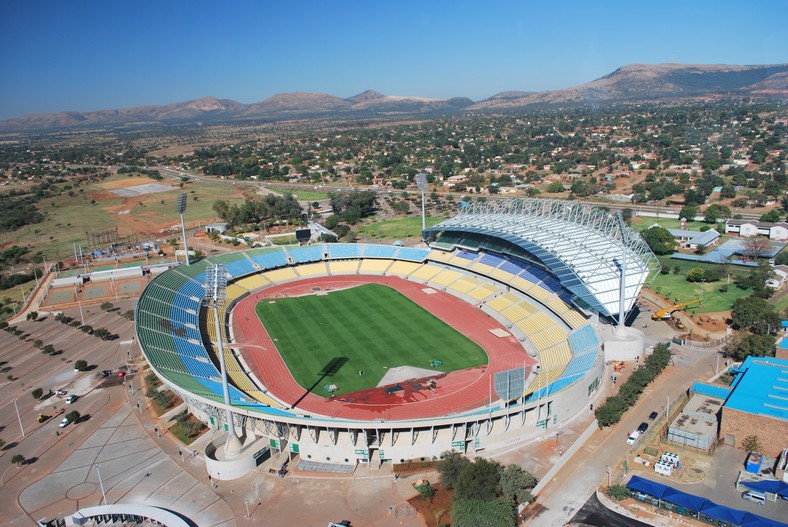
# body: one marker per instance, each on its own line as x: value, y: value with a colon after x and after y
x: 73, y: 416
x: 688, y: 212
x: 450, y: 468
x: 716, y: 212
x: 49, y: 349
x: 555, y: 187
x: 754, y: 312
x: 80, y: 365
x: 37, y: 393
x: 106, y: 306
x: 755, y: 246
x: 480, y: 480
x: 696, y: 274
x: 38, y: 343
x: 746, y: 345
x: 773, y: 216
x: 33, y: 315
x: 480, y: 513
x: 659, y: 240
x: 516, y: 484
x: 751, y: 443
x: 626, y: 214
x: 18, y: 459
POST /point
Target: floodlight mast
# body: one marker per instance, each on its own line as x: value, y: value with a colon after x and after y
x: 216, y: 297
x: 421, y: 183
x: 181, y: 209
x: 621, y: 329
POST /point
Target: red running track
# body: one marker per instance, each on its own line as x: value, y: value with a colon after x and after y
x: 456, y: 391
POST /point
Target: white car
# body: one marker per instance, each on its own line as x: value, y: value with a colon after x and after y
x: 633, y: 437
x: 71, y: 398
x: 64, y: 423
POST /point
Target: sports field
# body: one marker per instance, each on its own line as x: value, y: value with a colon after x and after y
x: 328, y: 339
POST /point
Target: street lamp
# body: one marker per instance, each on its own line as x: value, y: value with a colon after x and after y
x: 19, y: 419
x: 667, y: 407
x: 247, y: 508
x: 101, y: 484
x: 181, y: 209
x: 607, y: 467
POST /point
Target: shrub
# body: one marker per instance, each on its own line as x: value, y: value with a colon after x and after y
x: 37, y: 393
x: 618, y: 492
x: 81, y: 365
x: 18, y: 459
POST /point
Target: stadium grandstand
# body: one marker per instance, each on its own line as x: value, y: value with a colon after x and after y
x: 543, y: 288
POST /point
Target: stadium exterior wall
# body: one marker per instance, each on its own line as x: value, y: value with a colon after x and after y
x: 327, y: 440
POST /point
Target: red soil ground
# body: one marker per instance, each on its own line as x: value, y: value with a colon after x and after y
x: 456, y: 391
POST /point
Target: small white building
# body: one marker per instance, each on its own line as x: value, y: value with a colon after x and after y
x: 747, y: 228
x: 219, y: 228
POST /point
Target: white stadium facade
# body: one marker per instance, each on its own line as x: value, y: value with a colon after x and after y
x: 549, y: 272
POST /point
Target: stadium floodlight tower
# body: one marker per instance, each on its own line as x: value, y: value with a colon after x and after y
x: 181, y: 210
x: 216, y: 297
x: 421, y: 184
x: 621, y: 330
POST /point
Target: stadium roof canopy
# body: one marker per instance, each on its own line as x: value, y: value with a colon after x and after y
x: 582, y: 245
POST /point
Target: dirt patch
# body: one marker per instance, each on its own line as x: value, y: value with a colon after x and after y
x: 436, y: 511
x: 123, y: 183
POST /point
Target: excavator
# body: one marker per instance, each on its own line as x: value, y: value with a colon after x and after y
x: 665, y: 314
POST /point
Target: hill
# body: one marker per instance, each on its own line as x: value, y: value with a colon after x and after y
x: 633, y: 83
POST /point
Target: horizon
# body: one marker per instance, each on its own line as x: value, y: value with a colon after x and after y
x: 61, y: 57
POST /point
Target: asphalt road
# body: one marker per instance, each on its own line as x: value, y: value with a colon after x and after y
x: 596, y: 514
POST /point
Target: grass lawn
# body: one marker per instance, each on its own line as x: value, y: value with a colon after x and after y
x: 408, y: 227
x: 641, y: 222
x: 676, y: 288
x: 328, y: 339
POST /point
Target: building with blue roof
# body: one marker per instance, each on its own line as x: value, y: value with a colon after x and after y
x: 758, y: 405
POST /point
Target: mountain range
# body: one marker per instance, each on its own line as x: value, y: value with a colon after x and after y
x: 628, y: 84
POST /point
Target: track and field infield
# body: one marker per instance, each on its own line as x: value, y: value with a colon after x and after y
x: 328, y: 339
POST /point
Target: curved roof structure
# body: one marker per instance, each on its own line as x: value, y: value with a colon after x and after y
x: 582, y: 245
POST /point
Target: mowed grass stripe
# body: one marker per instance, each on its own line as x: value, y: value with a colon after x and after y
x: 370, y: 327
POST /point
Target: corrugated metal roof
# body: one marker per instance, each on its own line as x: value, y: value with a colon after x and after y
x: 761, y: 388
x: 720, y: 392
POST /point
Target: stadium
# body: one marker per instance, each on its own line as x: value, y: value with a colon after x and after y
x: 346, y: 354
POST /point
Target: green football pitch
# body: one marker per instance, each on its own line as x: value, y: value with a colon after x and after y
x: 328, y: 339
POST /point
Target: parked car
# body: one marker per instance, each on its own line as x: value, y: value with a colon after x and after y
x: 71, y: 398
x: 60, y: 392
x: 64, y: 422
x: 652, y: 416
x: 633, y: 437
x: 643, y: 427
x: 754, y: 497
x: 42, y: 417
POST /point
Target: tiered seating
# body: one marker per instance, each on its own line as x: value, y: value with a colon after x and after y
x: 440, y: 256
x: 280, y: 275
x: 482, y: 291
x: 268, y: 258
x: 547, y: 337
x: 235, y: 263
x: 445, y: 277
x: 535, y: 323
x: 343, y: 267
x: 403, y: 268
x: 373, y: 266
x: 343, y: 251
x: 310, y: 253
x: 235, y: 292
x: 412, y: 254
x: 585, y: 347
x: 253, y: 282
x: 426, y: 272
x: 574, y: 319
x: 447, y: 240
x: 518, y: 311
x: 380, y: 251
x: 502, y: 302
x: 464, y: 284
x: 316, y: 269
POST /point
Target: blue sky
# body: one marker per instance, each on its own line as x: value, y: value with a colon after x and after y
x: 94, y: 54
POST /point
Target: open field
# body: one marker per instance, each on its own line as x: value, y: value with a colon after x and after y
x: 641, y: 222
x: 328, y: 339
x: 408, y: 227
x: 676, y: 288
x: 68, y: 218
